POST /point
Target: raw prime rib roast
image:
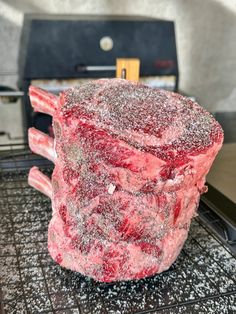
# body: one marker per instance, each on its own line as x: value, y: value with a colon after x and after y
x: 130, y: 165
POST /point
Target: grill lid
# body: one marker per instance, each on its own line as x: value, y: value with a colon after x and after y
x: 55, y: 46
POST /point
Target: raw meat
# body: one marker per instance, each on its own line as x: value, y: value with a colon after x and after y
x: 130, y: 165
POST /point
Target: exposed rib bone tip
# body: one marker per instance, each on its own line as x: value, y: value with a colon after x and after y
x: 40, y: 181
x: 42, y: 101
x: 41, y: 143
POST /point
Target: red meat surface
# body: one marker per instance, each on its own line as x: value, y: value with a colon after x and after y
x: 130, y: 165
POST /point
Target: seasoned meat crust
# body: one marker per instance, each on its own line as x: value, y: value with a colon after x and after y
x: 130, y: 165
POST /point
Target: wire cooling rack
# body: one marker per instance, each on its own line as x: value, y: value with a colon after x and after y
x: 202, y: 280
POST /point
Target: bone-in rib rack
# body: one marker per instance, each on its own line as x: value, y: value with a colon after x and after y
x: 203, y: 278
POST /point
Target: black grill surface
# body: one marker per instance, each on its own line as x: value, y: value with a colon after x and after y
x: 202, y: 280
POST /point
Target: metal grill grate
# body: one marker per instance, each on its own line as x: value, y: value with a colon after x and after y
x: 202, y: 280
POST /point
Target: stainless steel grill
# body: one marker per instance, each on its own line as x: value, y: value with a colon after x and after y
x: 202, y: 280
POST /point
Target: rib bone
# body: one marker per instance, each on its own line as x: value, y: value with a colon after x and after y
x: 43, y: 101
x: 40, y: 181
x: 42, y: 144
